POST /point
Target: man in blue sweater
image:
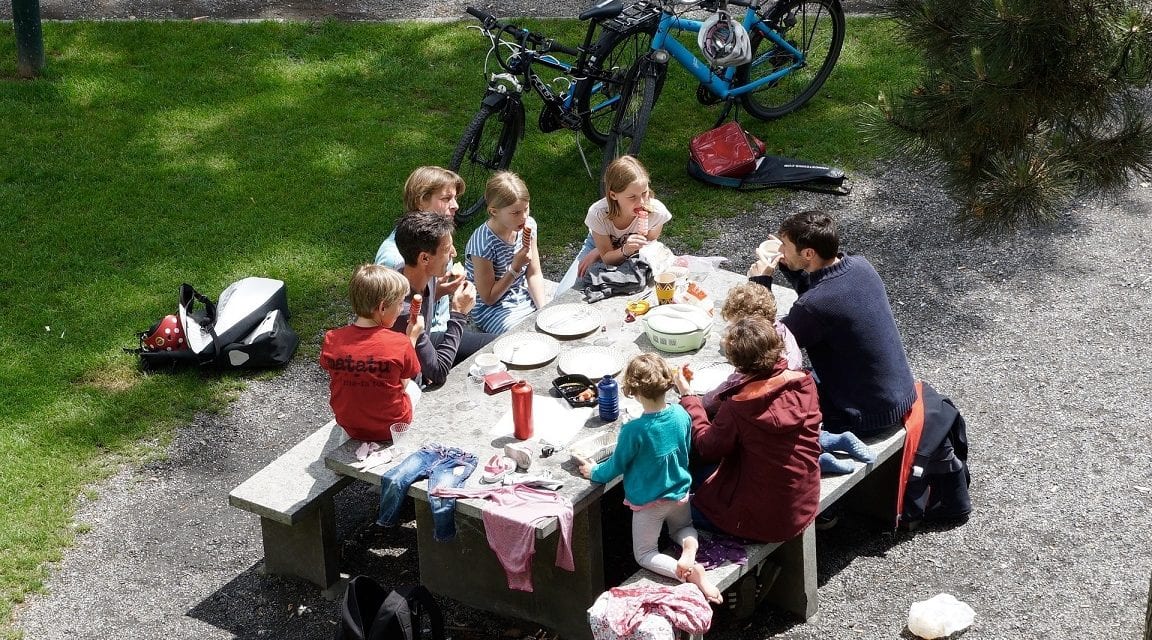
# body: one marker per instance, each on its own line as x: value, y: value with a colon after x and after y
x: 843, y: 319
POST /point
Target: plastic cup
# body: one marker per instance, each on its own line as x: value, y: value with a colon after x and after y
x: 401, y: 434
x: 665, y: 287
x: 473, y: 393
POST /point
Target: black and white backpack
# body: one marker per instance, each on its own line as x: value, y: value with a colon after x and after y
x: 247, y: 328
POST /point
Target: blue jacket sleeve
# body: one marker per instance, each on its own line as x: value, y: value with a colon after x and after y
x: 620, y: 459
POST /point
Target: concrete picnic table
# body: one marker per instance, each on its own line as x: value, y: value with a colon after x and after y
x: 464, y: 568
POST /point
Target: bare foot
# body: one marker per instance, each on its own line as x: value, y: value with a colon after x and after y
x: 700, y: 579
x: 687, y: 561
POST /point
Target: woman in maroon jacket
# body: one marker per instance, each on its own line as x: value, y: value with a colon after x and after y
x: 764, y: 438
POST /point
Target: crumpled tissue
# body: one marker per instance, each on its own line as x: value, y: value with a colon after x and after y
x: 939, y: 617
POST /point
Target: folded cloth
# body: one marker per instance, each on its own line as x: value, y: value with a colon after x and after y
x: 542, y: 480
x: 717, y: 550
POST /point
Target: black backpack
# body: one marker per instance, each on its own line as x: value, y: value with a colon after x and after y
x: 778, y: 171
x: 247, y: 329
x: 372, y: 612
x: 937, y: 488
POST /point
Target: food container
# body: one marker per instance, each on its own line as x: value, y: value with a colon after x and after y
x: 676, y: 328
x: 571, y: 386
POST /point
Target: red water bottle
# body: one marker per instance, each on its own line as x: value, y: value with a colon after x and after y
x: 522, y: 410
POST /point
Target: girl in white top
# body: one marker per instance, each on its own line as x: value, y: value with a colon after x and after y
x: 616, y: 223
x: 502, y: 258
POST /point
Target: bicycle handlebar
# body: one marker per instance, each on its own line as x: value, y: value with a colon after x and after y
x: 544, y: 45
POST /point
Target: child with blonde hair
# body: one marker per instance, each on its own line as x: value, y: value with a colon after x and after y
x: 432, y: 189
x: 625, y: 219
x: 652, y: 455
x: 369, y: 364
x: 502, y: 258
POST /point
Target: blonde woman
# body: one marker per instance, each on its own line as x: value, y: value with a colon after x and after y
x: 432, y: 189
x: 502, y: 258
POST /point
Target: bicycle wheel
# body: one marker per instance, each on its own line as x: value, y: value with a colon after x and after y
x: 637, y: 97
x: 485, y: 148
x: 816, y: 28
x: 595, y: 99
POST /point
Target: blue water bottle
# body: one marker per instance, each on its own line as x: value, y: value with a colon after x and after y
x: 609, y: 398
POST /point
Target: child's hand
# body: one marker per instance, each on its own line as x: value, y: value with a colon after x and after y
x: 587, y: 261
x: 415, y: 328
x: 521, y: 258
x: 683, y: 386
x: 585, y: 467
x: 632, y: 244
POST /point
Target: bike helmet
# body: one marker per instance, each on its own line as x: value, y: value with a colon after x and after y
x: 165, y: 336
x: 724, y: 41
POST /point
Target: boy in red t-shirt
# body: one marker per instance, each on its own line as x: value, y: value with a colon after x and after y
x: 370, y: 364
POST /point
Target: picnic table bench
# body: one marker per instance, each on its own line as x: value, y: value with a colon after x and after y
x: 294, y: 497
x: 784, y: 573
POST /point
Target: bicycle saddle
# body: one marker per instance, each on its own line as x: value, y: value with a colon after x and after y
x: 605, y: 9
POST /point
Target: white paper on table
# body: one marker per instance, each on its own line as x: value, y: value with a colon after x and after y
x: 552, y: 420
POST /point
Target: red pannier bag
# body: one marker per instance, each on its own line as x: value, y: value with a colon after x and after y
x: 727, y: 150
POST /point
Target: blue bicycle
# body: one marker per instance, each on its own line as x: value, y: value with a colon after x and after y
x: 794, y: 46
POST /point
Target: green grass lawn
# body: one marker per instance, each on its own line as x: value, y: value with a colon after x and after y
x: 153, y: 154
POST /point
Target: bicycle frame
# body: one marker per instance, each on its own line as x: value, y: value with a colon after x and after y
x: 721, y: 85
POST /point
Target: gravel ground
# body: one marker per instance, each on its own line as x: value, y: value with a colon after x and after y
x: 1045, y: 352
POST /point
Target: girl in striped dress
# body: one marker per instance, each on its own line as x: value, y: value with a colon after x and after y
x: 501, y: 258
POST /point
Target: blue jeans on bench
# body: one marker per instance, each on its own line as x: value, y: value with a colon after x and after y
x: 444, y: 467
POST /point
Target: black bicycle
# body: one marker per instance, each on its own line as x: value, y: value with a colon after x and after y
x: 583, y: 97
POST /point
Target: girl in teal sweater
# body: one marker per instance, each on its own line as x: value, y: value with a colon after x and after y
x: 652, y: 455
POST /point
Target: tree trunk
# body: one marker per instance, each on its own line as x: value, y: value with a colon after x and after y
x: 29, y: 37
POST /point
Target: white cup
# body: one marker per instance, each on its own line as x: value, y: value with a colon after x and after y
x: 769, y: 248
x: 488, y: 363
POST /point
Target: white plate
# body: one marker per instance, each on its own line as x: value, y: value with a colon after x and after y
x: 526, y: 349
x: 594, y: 362
x: 707, y: 377
x: 569, y: 320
